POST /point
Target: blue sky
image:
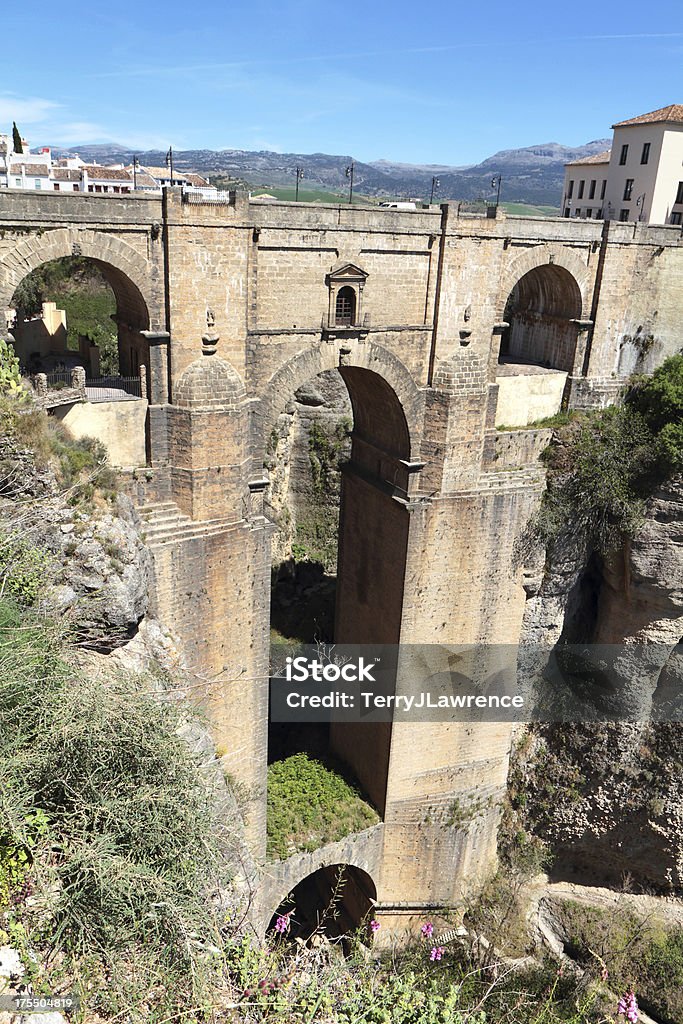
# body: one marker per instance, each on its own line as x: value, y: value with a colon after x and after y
x: 444, y: 82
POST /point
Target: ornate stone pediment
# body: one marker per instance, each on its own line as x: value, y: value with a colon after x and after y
x: 344, y: 272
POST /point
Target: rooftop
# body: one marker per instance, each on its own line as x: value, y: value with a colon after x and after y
x: 672, y: 114
x: 598, y: 158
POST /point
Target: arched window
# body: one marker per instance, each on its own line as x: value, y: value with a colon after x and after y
x: 345, y: 308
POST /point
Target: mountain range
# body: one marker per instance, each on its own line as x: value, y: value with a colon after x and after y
x: 532, y: 175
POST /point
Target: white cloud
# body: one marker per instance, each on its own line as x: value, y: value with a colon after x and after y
x: 24, y: 111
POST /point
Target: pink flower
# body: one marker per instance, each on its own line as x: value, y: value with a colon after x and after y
x: 374, y: 926
x: 427, y: 930
x: 282, y: 924
x: 436, y: 953
x: 628, y: 1007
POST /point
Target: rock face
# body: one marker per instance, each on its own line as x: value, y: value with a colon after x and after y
x: 308, y: 445
x: 609, y: 796
x: 105, y: 571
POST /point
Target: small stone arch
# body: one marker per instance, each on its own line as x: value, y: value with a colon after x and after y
x: 307, y: 364
x: 123, y: 267
x: 539, y: 256
x: 305, y: 907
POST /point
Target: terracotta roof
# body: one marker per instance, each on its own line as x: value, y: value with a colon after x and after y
x: 163, y: 172
x: 598, y: 158
x: 66, y: 174
x: 142, y: 178
x: 197, y: 180
x: 33, y: 170
x: 106, y: 173
x: 672, y: 113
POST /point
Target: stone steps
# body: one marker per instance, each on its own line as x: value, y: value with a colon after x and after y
x: 164, y: 524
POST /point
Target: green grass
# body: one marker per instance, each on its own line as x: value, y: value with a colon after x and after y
x: 310, y: 804
x: 312, y: 195
x: 530, y: 210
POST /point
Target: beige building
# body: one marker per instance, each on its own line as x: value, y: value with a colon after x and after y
x: 639, y: 179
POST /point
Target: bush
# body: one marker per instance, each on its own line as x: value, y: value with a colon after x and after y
x: 310, y: 804
x: 106, y: 812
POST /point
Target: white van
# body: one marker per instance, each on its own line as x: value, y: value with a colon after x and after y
x: 399, y: 206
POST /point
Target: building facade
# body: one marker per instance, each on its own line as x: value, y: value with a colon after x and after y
x: 639, y: 179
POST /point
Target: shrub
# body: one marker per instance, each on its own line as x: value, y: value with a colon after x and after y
x: 310, y: 804
x: 102, y: 797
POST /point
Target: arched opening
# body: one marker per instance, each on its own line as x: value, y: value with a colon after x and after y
x: 338, y: 482
x: 78, y: 311
x: 345, y: 307
x: 540, y: 310
x: 334, y: 901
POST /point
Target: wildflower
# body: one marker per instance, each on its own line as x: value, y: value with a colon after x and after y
x: 374, y: 926
x: 436, y: 953
x: 282, y: 924
x: 628, y: 1007
x: 427, y: 930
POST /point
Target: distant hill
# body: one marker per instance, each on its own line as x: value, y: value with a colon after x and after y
x: 532, y: 175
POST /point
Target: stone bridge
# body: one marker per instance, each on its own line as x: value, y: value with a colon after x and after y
x: 442, y: 326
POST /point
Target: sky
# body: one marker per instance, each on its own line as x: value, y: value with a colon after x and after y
x: 447, y: 83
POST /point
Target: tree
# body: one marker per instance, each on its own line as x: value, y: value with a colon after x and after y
x: 16, y: 138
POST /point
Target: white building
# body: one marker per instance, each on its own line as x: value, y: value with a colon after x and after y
x: 639, y: 179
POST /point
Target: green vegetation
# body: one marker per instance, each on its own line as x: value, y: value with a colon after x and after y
x: 636, y: 951
x: 10, y: 377
x: 106, y: 819
x: 78, y: 287
x: 310, y: 804
x: 604, y: 465
x: 529, y: 210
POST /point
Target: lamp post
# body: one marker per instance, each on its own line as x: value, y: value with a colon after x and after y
x: 640, y: 202
x: 135, y: 173
x: 435, y: 184
x: 349, y: 174
x: 169, y: 161
x: 495, y: 183
x: 299, y: 176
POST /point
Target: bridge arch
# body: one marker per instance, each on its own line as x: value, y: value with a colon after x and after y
x: 124, y: 269
x: 539, y: 256
x: 335, y: 899
x: 393, y: 377
x: 542, y: 308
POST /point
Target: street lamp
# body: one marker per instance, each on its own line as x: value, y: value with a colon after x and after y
x: 299, y: 176
x: 495, y: 183
x: 349, y: 174
x: 640, y: 202
x: 136, y: 164
x: 435, y: 184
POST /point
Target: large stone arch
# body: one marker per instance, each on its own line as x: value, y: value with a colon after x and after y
x: 539, y: 256
x: 123, y: 267
x: 329, y: 356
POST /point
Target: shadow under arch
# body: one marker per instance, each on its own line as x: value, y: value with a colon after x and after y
x: 542, y: 309
x: 333, y: 901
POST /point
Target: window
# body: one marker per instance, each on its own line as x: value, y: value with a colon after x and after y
x: 628, y: 189
x: 591, y: 190
x: 75, y: 188
x: 679, y: 193
x: 645, y: 155
x: 602, y: 188
x: 345, y: 307
x: 567, y: 211
x: 676, y: 218
x: 570, y: 189
x: 598, y: 215
x: 624, y: 155
x: 36, y: 182
x: 623, y: 214
x: 589, y: 213
x: 581, y: 184
x: 56, y: 187
x: 17, y: 182
x: 90, y: 188
x: 578, y: 212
